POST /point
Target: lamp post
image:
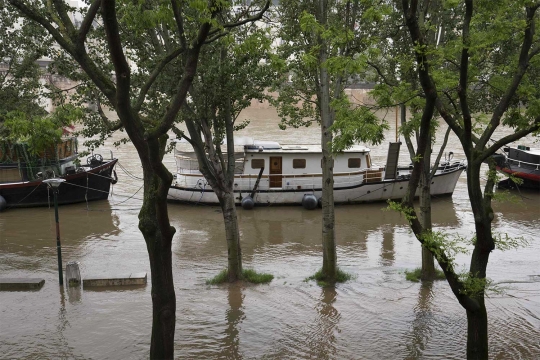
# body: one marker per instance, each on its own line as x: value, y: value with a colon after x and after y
x: 54, y: 184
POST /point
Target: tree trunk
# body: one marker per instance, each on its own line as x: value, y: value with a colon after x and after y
x: 477, y: 333
x: 232, y: 234
x: 155, y: 227
x: 428, y: 263
x: 163, y: 298
x: 329, y: 267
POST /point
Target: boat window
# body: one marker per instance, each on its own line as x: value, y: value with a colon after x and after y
x: 257, y: 163
x: 354, y: 162
x: 299, y: 163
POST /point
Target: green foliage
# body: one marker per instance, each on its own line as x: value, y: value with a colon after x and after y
x: 473, y: 286
x: 399, y: 207
x: 39, y: 133
x: 416, y: 275
x: 354, y: 124
x: 444, y: 248
x: 220, y: 278
x: 256, y: 278
x: 504, y: 242
x: 248, y: 275
x: 323, y: 281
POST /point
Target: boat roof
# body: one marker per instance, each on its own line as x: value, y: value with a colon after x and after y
x: 527, y: 150
x: 256, y: 146
x: 274, y: 147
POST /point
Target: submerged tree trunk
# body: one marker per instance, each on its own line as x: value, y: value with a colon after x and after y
x: 428, y: 262
x: 158, y: 233
x: 477, y: 333
x: 329, y: 268
x: 234, y: 251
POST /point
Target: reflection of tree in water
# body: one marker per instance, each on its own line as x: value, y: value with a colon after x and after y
x: 422, y: 322
x: 322, y: 339
x: 63, y: 324
x: 387, y: 248
x: 234, y: 316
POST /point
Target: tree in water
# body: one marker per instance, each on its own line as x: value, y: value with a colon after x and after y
x: 237, y: 70
x: 321, y: 53
x: 479, y: 80
x: 123, y: 53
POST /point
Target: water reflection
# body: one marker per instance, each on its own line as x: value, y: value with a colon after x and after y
x: 387, y: 248
x: 322, y: 339
x: 421, y: 325
x: 234, y: 317
x: 74, y: 294
x: 28, y: 236
x: 62, y: 325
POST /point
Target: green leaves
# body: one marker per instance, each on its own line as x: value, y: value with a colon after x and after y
x: 39, y: 133
x: 355, y: 124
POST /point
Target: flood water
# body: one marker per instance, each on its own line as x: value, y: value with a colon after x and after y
x: 377, y: 315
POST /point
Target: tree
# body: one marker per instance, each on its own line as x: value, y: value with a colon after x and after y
x: 398, y: 87
x: 237, y: 70
x: 478, y: 80
x: 19, y: 73
x: 322, y: 51
x: 124, y: 52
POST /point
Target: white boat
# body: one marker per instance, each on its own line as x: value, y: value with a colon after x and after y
x: 291, y: 174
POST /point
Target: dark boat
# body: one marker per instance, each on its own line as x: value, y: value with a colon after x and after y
x: 22, y: 175
x: 522, y: 163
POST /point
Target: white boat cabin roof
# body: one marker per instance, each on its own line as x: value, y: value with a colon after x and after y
x: 274, y: 147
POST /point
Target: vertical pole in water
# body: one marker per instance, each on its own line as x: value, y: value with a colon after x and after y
x: 397, y: 109
x: 58, y: 245
x: 54, y: 184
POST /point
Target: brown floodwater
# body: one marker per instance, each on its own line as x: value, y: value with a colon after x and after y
x: 377, y: 315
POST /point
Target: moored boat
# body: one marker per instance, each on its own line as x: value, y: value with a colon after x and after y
x: 22, y: 175
x: 291, y: 174
x: 521, y: 162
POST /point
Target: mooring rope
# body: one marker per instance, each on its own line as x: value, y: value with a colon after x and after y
x: 128, y: 173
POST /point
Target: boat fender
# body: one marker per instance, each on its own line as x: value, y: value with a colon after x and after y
x: 319, y: 203
x: 115, y: 179
x: 247, y: 203
x: 3, y: 203
x: 309, y: 201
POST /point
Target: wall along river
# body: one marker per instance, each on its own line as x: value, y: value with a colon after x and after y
x: 377, y: 315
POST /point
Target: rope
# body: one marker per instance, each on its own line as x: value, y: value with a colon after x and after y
x: 86, y: 187
x: 127, y: 172
x: 34, y: 189
x: 130, y: 197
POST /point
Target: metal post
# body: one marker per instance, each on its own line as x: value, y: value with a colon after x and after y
x: 58, y: 245
x: 54, y: 184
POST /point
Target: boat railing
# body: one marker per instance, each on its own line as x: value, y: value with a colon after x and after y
x: 450, y: 166
x: 303, y: 181
x: 186, y: 162
x: 519, y: 163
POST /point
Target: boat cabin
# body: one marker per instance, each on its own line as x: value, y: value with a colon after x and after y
x: 289, y: 162
x: 18, y: 164
x: 298, y: 160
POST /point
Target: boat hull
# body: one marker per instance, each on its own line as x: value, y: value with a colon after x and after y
x: 90, y: 185
x: 530, y: 177
x: 520, y: 163
x: 359, y: 192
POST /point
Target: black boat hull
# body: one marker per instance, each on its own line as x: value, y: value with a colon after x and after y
x: 519, y: 164
x: 93, y: 184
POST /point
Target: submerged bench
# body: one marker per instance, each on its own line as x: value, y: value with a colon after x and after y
x: 117, y: 280
x: 8, y: 284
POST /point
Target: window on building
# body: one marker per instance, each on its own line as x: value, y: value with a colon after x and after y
x: 354, y: 163
x: 299, y: 163
x: 257, y: 163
